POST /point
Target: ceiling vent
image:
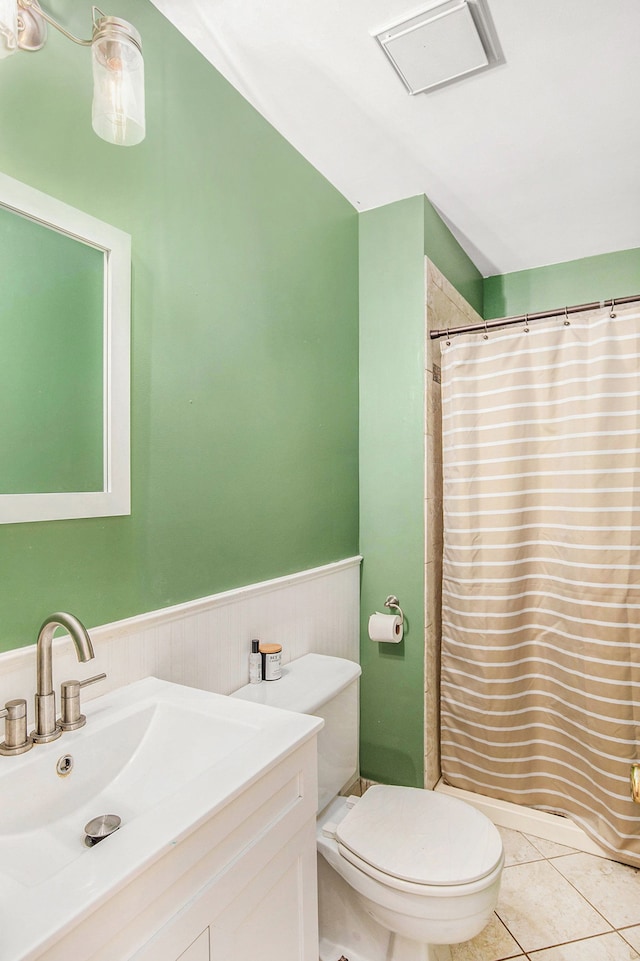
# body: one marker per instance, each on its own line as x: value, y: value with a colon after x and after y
x: 447, y: 42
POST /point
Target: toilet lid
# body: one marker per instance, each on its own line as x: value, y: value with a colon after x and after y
x: 420, y: 836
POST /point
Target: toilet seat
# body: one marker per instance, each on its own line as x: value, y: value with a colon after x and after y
x: 411, y: 837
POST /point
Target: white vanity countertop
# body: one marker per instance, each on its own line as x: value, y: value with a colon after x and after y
x: 163, y: 757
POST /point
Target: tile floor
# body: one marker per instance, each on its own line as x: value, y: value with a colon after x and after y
x: 557, y: 904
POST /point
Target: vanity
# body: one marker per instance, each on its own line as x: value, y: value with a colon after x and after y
x: 215, y: 859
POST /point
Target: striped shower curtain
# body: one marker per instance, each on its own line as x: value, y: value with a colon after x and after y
x: 541, y: 585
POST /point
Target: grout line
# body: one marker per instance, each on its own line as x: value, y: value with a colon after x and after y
x: 590, y: 937
x: 620, y: 932
x: 613, y: 930
x: 521, y: 950
x: 584, y: 898
x: 531, y: 955
x: 531, y: 838
x: 561, y: 943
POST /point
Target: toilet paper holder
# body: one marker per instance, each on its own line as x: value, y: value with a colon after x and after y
x: 393, y: 603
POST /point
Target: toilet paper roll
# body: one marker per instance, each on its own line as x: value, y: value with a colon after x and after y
x: 386, y: 628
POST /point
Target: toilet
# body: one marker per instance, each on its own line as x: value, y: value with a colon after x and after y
x: 422, y: 868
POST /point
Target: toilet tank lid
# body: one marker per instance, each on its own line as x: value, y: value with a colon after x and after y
x: 306, y: 683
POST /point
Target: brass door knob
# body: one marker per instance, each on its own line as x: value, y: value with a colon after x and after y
x: 635, y: 781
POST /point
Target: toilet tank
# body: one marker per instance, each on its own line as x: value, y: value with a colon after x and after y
x: 328, y: 688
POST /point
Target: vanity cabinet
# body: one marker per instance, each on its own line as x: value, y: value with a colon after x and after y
x: 267, y: 920
x: 241, y: 885
x: 273, y: 917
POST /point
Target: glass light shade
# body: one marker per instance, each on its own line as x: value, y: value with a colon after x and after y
x: 8, y: 27
x: 118, y: 82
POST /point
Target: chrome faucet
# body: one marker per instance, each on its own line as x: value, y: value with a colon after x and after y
x: 47, y: 729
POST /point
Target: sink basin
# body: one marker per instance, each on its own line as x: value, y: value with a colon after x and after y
x: 162, y: 757
x: 121, y: 764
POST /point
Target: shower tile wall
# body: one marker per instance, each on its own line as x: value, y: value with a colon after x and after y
x: 445, y: 308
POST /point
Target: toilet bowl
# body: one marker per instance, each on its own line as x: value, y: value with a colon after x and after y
x: 422, y: 869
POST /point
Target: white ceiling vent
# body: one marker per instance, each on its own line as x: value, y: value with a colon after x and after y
x: 445, y: 43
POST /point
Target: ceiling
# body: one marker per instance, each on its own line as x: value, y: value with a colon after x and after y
x: 532, y: 162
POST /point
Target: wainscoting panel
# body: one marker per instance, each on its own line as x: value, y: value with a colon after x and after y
x: 205, y: 643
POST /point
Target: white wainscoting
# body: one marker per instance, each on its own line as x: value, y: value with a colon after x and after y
x: 205, y: 643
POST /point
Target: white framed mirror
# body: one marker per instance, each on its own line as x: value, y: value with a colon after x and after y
x: 64, y: 360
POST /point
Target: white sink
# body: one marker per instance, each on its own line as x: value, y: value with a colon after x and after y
x: 160, y: 756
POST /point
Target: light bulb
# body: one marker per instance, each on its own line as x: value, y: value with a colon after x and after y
x: 8, y: 28
x: 118, y: 82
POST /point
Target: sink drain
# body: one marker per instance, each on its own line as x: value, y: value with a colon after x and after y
x: 100, y: 828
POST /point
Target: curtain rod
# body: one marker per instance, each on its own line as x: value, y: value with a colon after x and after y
x: 541, y: 315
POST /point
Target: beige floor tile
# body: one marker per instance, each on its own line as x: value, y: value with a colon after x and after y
x: 517, y: 848
x: 607, y: 947
x: 632, y: 935
x: 492, y: 944
x: 550, y: 849
x: 612, y: 888
x: 541, y: 909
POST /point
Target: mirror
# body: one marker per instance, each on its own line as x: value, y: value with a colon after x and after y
x: 64, y: 360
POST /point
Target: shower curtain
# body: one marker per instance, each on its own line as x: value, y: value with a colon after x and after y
x: 540, y: 684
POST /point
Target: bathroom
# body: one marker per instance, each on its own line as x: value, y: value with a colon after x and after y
x: 277, y: 427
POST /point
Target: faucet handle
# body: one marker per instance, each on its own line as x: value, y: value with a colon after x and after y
x: 70, y: 717
x: 17, y: 741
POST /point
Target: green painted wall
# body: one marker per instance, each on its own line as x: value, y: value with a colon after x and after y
x: 442, y: 249
x: 393, y: 243
x: 244, y: 339
x: 392, y: 485
x: 575, y: 282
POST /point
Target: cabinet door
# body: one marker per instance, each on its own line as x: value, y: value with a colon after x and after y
x: 275, y: 917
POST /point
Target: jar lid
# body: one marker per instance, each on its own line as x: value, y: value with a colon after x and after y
x: 270, y: 648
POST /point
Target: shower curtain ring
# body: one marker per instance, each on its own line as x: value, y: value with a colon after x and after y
x: 485, y: 336
x: 567, y: 322
x: 448, y: 340
x: 526, y: 323
x: 613, y: 303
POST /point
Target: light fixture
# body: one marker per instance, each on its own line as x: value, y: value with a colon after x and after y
x: 118, y: 67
